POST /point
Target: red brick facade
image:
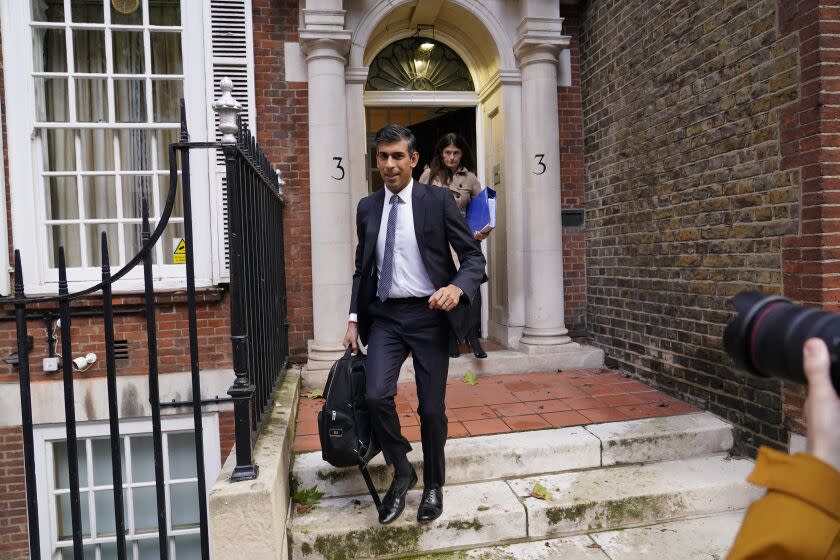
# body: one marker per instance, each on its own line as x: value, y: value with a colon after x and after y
x: 571, y: 178
x: 283, y: 132
x: 810, y: 134
x: 14, y: 538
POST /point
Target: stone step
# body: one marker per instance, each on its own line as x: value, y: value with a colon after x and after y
x: 632, y: 495
x: 343, y: 528
x: 503, y: 512
x: 520, y: 454
x: 702, y: 538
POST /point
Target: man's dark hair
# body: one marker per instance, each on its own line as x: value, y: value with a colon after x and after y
x: 394, y: 133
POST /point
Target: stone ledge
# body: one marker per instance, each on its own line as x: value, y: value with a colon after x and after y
x: 248, y: 519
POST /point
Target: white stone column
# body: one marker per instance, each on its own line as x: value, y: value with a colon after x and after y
x: 540, y: 41
x: 325, y: 43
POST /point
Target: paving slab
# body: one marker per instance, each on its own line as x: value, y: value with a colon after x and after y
x: 662, y: 439
x: 471, y: 459
x: 568, y: 548
x: 474, y: 515
x: 626, y: 496
x: 705, y: 538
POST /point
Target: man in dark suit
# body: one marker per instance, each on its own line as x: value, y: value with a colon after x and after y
x: 407, y: 297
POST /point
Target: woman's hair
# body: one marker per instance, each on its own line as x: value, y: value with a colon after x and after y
x: 438, y: 169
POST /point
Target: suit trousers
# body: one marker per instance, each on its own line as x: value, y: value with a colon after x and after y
x: 400, y: 326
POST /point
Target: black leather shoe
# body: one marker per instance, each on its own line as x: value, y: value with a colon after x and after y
x: 394, y: 501
x: 477, y: 349
x: 431, y: 505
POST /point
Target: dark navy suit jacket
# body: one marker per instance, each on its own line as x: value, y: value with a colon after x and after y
x: 437, y: 225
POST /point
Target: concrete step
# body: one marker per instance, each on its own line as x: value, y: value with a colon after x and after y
x: 521, y: 454
x: 633, y: 495
x: 503, y: 512
x: 344, y: 528
x: 702, y: 538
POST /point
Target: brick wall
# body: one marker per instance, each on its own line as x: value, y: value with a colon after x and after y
x: 283, y: 132
x: 87, y: 333
x: 14, y: 539
x: 571, y: 172
x: 810, y: 135
x: 687, y: 197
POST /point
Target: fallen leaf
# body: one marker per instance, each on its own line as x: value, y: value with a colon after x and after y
x: 470, y: 378
x: 314, y: 394
x: 302, y: 509
x: 539, y: 491
x: 594, y: 545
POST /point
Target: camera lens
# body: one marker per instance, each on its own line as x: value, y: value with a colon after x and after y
x: 767, y: 336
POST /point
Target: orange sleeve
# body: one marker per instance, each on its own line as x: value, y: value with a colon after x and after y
x: 798, y: 517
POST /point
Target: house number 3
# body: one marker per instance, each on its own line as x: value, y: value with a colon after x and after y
x: 539, y: 158
x: 338, y: 166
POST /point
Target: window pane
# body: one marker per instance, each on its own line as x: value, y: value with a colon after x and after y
x: 182, y: 455
x: 61, y: 198
x: 183, y: 500
x: 142, y: 459
x: 127, y: 12
x: 48, y: 10
x: 135, y: 149
x: 165, y: 12
x: 128, y: 52
x: 100, y: 197
x: 130, y: 100
x: 59, y: 150
x: 67, y: 236
x: 134, y: 188
x: 91, y: 100
x: 109, y: 550
x: 178, y: 206
x: 145, y: 509
x: 49, y: 50
x: 89, y: 554
x: 166, y: 53
x: 172, y: 236
x: 105, y: 517
x: 97, y: 149
x: 102, y: 471
x: 65, y: 522
x: 51, y: 101
x: 85, y: 11
x: 149, y: 549
x: 94, y: 236
x: 188, y: 546
x: 89, y: 50
x: 134, y: 241
x: 166, y: 96
x: 165, y: 137
x: 61, y: 466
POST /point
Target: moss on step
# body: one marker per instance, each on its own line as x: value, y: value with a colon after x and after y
x: 372, y: 542
x: 614, y: 513
x: 464, y: 525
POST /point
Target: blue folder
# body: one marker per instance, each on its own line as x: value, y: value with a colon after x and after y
x: 481, y: 211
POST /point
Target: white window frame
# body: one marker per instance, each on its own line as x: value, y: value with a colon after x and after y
x: 45, y: 436
x: 26, y: 189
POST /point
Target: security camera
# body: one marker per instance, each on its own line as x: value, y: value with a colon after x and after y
x: 82, y: 363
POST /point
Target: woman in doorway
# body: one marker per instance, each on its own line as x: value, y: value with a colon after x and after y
x: 452, y: 167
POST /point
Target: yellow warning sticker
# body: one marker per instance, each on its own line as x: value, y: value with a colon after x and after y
x: 179, y: 255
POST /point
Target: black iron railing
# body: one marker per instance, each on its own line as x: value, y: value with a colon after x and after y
x: 259, y: 325
x: 259, y: 334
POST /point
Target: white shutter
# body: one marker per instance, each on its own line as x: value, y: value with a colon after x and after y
x: 231, y: 44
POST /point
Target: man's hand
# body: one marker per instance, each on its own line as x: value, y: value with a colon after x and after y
x: 480, y: 236
x: 822, y: 409
x: 351, y: 337
x: 446, y: 298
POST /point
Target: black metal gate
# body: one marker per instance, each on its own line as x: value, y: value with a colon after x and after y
x: 259, y: 335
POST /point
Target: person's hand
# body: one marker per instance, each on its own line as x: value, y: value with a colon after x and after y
x: 445, y: 298
x: 480, y: 236
x: 351, y: 337
x: 822, y: 408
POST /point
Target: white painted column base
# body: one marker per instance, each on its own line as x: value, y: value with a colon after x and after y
x: 321, y: 356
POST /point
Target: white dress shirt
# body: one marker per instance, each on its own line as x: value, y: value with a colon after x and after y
x: 410, y: 276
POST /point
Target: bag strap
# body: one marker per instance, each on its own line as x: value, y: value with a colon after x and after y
x: 371, y: 488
